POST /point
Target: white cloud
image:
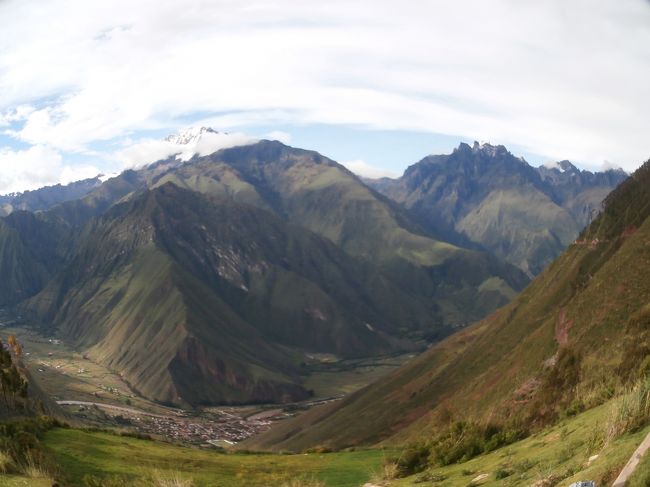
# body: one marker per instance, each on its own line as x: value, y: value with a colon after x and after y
x: 363, y: 169
x: 609, y: 166
x: 567, y: 80
x: 36, y: 167
x: 146, y: 151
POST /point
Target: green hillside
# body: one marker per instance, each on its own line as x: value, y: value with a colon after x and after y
x: 571, y: 340
x: 227, y: 270
x: 316, y: 193
x: 484, y: 195
x: 174, y: 289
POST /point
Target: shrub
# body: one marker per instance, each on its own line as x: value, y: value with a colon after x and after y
x: 389, y: 471
x: 414, y: 459
x: 6, y: 462
x: 502, y: 473
x: 631, y: 411
x: 558, y: 388
x: 465, y: 440
x: 576, y: 407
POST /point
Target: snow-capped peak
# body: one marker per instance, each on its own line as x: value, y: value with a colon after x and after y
x: 189, y: 135
x: 183, y: 146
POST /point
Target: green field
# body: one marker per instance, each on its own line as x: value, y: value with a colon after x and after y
x: 103, y: 455
x: 574, y: 449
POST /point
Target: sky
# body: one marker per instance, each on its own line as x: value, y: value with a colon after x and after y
x: 85, y: 87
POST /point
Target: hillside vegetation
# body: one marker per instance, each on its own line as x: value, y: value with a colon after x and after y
x: 485, y: 196
x: 575, y: 337
x: 227, y: 270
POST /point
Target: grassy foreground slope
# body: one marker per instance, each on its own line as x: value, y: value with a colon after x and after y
x: 571, y: 340
x: 106, y: 456
x: 570, y: 451
x: 576, y: 448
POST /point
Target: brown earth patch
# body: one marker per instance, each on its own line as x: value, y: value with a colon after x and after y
x: 562, y: 328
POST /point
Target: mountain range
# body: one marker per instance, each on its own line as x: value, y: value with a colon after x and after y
x: 207, y: 280
x: 573, y: 339
x: 47, y: 197
x: 483, y: 195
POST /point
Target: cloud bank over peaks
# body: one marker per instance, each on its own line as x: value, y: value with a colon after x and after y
x: 38, y: 166
x: 183, y: 145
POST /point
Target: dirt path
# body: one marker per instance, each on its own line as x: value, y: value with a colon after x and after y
x: 628, y: 470
x: 110, y: 406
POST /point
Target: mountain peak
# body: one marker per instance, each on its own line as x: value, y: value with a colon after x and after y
x: 482, y: 148
x: 189, y: 135
x: 488, y: 149
x: 201, y: 141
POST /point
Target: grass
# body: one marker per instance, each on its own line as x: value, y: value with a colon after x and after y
x: 19, y: 481
x: 560, y: 453
x: 347, y: 376
x: 106, y: 456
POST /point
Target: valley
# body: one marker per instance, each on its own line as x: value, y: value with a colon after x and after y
x: 299, y: 243
x: 263, y: 299
x: 90, y: 394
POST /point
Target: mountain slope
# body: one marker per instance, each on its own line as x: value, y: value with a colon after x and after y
x: 32, y: 249
x: 316, y: 193
x: 309, y: 190
x: 577, y: 333
x: 227, y: 295
x: 224, y: 270
x: 47, y: 197
x: 484, y: 194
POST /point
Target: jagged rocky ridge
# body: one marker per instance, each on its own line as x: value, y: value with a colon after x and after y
x: 483, y: 195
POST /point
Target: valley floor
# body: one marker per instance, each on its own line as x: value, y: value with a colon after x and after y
x: 93, y: 395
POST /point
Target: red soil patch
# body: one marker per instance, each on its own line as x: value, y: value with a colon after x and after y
x: 562, y: 328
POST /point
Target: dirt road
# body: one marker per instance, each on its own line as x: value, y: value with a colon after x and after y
x: 627, y: 471
x: 110, y: 406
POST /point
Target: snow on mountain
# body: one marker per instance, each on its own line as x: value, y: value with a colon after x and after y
x: 189, y: 135
x: 183, y: 146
